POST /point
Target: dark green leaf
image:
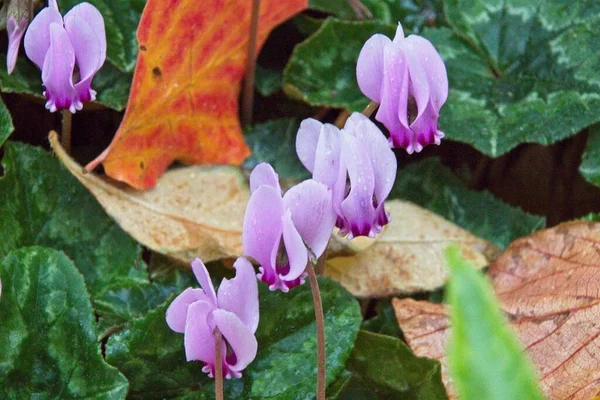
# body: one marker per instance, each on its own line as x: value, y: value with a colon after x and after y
x: 433, y: 186
x: 43, y: 204
x: 268, y: 81
x: 48, y: 348
x: 121, y: 18
x: 152, y: 356
x: 322, y: 69
x: 485, y: 358
x: 384, y: 322
x: 383, y: 367
x: 6, y: 125
x: 274, y: 142
x: 590, y: 164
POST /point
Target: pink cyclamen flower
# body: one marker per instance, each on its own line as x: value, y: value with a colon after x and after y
x: 407, y: 77
x: 233, y: 311
x: 18, y: 14
x: 358, y: 154
x: 284, y: 233
x: 58, y: 45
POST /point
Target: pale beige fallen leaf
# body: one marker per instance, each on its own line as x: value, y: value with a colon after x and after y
x: 548, y: 284
x: 408, y: 256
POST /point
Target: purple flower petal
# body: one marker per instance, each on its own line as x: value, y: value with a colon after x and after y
x: 240, y: 294
x: 15, y: 32
x: 369, y: 67
x: 93, y: 18
x: 327, y: 156
x: 306, y: 142
x: 357, y: 208
x: 264, y: 174
x: 434, y: 68
x: 312, y: 213
x: 37, y: 37
x: 239, y: 337
x: 199, y: 339
x: 203, y: 277
x: 295, y: 248
x: 399, y: 36
x: 57, y: 71
x: 178, y: 309
x: 52, y: 4
x: 263, y: 225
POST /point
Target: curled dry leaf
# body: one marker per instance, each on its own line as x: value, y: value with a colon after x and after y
x: 549, y: 286
x: 408, y: 256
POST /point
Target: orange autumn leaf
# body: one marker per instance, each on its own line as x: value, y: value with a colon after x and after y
x: 549, y: 286
x: 183, y: 104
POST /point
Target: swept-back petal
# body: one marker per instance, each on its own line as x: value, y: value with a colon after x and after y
x: 357, y: 208
x: 399, y: 36
x: 93, y: 18
x: 434, y: 68
x: 264, y: 174
x: 57, y: 71
x: 240, y: 338
x: 327, y: 158
x: 199, y: 339
x: 295, y: 248
x: 240, y: 294
x: 306, y: 142
x: 203, y: 277
x: 15, y: 30
x: 37, y: 37
x: 310, y: 203
x: 263, y: 224
x: 369, y: 67
x: 178, y: 309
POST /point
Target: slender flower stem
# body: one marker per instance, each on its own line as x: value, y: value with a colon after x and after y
x: 248, y: 99
x: 370, y: 108
x: 218, y: 365
x: 65, y: 136
x: 320, y: 320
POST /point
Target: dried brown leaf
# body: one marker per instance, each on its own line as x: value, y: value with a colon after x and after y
x: 549, y: 286
x: 408, y: 256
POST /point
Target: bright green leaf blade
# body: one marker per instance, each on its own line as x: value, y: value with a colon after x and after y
x: 121, y: 19
x: 48, y: 348
x: 43, y: 204
x: 433, y: 186
x: 383, y: 367
x: 322, y: 69
x: 590, y: 164
x: 111, y: 84
x: 485, y: 358
x: 274, y: 142
x: 285, y: 367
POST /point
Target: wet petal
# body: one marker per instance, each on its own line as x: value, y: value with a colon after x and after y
x: 263, y: 224
x: 357, y: 208
x: 37, y: 37
x: 399, y: 36
x: 264, y: 174
x: 240, y: 338
x: 295, y: 248
x: 203, y: 277
x: 93, y: 18
x: 53, y: 4
x: 240, y: 294
x: 310, y: 203
x: 327, y: 158
x: 199, y: 339
x: 434, y: 68
x: 57, y: 71
x: 15, y: 32
x: 306, y: 142
x: 178, y: 309
x: 369, y: 67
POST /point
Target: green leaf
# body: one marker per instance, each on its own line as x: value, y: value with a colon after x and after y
x: 385, y: 322
x: 590, y: 164
x: 274, y: 142
x: 322, y: 69
x: 268, y: 81
x: 6, y: 125
x: 121, y: 19
x: 152, y: 356
x: 48, y: 348
x: 384, y: 367
x: 43, y: 204
x: 433, y: 186
x: 485, y: 358
x: 111, y: 84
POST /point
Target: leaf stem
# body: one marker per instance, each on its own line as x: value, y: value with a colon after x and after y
x: 320, y: 321
x: 218, y: 365
x: 248, y: 99
x: 65, y: 137
x: 370, y: 108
